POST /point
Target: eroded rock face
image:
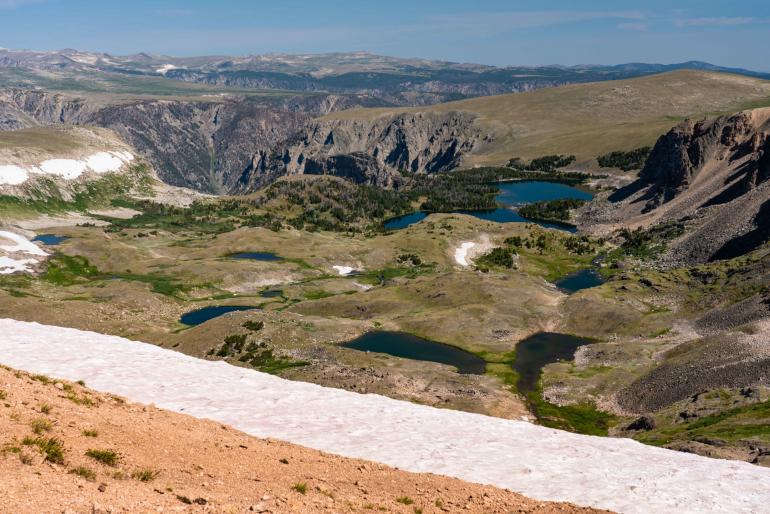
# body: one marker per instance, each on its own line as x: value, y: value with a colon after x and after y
x: 237, y: 145
x: 367, y: 151
x: 680, y: 155
x: 712, y: 177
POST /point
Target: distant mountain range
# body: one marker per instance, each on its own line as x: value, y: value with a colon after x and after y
x: 390, y: 80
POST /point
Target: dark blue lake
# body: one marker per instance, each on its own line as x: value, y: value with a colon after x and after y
x: 512, y: 194
x: 516, y: 194
x: 538, y: 350
x: 271, y: 293
x: 50, y: 239
x: 404, y: 221
x: 408, y: 346
x: 256, y: 256
x: 205, y: 314
x: 583, y: 279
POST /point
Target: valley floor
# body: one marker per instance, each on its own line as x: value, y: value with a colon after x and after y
x: 618, y: 474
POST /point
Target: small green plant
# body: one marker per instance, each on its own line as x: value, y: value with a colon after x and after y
x: 52, y: 448
x: 405, y: 500
x: 3, y: 395
x: 80, y: 400
x: 145, y: 475
x: 84, y: 472
x: 81, y: 383
x: 300, y: 487
x: 41, y: 425
x: 90, y: 433
x: 107, y: 457
x: 184, y: 499
x: 417, y: 510
x: 41, y: 378
x: 45, y: 408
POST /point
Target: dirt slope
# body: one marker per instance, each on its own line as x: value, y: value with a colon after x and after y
x: 192, y: 465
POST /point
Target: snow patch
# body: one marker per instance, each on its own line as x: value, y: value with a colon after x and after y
x: 344, y: 270
x: 66, y: 168
x: 13, y: 175
x: 610, y: 473
x: 100, y: 162
x: 165, y: 69
x: 461, y: 253
x: 9, y: 266
x: 21, y: 244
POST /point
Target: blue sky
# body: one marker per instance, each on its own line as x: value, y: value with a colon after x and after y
x: 731, y: 33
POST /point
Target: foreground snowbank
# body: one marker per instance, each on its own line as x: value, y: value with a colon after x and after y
x: 617, y: 474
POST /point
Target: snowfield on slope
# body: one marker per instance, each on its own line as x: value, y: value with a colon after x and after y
x: 617, y: 474
x: 461, y: 253
x: 68, y: 169
x: 21, y: 245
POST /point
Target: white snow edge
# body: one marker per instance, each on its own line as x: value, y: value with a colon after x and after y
x: 99, y: 162
x: 21, y: 244
x: 461, y: 253
x: 343, y: 270
x: 610, y: 473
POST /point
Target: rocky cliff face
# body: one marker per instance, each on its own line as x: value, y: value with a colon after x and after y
x: 229, y: 145
x: 679, y: 156
x: 711, y: 175
x: 367, y: 151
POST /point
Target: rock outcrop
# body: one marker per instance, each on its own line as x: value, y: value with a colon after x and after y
x: 367, y: 151
x: 712, y: 175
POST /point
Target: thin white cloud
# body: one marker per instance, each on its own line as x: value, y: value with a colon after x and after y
x: 175, y: 12
x: 527, y: 19
x: 13, y: 4
x: 719, y: 21
x: 637, y: 26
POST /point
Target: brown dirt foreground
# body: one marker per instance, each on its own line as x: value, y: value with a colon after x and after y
x: 167, y: 462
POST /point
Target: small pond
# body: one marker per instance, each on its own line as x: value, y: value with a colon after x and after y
x: 539, y: 350
x: 408, y: 346
x: 50, y: 239
x: 256, y: 256
x: 511, y: 195
x: 271, y: 293
x: 205, y: 314
x: 583, y: 279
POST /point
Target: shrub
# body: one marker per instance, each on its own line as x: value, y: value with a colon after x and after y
x: 501, y: 257
x: 108, y: 457
x: 52, y: 448
x: 145, y: 475
x: 84, y: 472
x: 300, y: 487
x: 41, y: 425
x: 254, y: 326
x: 405, y: 500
